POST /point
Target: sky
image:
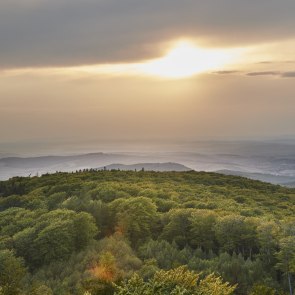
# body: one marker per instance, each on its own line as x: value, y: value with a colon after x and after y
x: 110, y: 70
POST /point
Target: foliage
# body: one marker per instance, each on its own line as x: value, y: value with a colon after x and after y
x: 72, y: 233
x: 12, y: 272
x: 177, y: 281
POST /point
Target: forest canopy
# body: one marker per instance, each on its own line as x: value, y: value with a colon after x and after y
x: 127, y: 232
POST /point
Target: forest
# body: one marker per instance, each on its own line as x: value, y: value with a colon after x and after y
x: 138, y: 232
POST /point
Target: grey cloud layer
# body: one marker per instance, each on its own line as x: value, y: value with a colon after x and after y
x: 72, y: 32
x: 265, y: 73
x: 281, y: 74
x: 288, y: 74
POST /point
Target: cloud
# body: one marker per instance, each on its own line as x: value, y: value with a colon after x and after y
x: 288, y: 74
x: 280, y: 74
x: 264, y: 73
x: 38, y: 33
x: 268, y: 62
x: 226, y: 72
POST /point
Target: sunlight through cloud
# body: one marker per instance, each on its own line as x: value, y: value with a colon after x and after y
x: 185, y: 60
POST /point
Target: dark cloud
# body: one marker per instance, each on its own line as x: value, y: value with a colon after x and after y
x: 265, y: 62
x: 226, y: 72
x: 73, y: 32
x: 288, y: 74
x: 264, y: 73
x: 276, y: 62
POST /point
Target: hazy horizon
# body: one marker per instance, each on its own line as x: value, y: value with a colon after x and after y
x: 74, y: 147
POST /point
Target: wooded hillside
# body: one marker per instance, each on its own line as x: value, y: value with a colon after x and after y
x: 124, y: 232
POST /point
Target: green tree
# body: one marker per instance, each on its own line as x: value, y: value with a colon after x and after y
x: 12, y: 271
x: 238, y: 270
x: 95, y: 286
x: 38, y: 289
x: 268, y: 233
x: 177, y: 281
x: 54, y: 200
x: 84, y: 230
x: 165, y: 253
x: 54, y: 242
x: 136, y: 218
x: 286, y: 259
x: 212, y: 285
x: 202, y: 230
x: 262, y: 290
x: 235, y: 233
x: 177, y: 226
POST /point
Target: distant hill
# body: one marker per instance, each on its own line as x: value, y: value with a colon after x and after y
x: 25, y: 166
x: 162, y: 167
x: 275, y: 179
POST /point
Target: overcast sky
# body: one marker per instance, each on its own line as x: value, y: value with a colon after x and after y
x: 46, y: 93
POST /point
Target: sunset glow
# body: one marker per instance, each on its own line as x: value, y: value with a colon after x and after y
x: 185, y: 60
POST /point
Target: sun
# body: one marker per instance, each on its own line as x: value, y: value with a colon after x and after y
x: 186, y: 60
